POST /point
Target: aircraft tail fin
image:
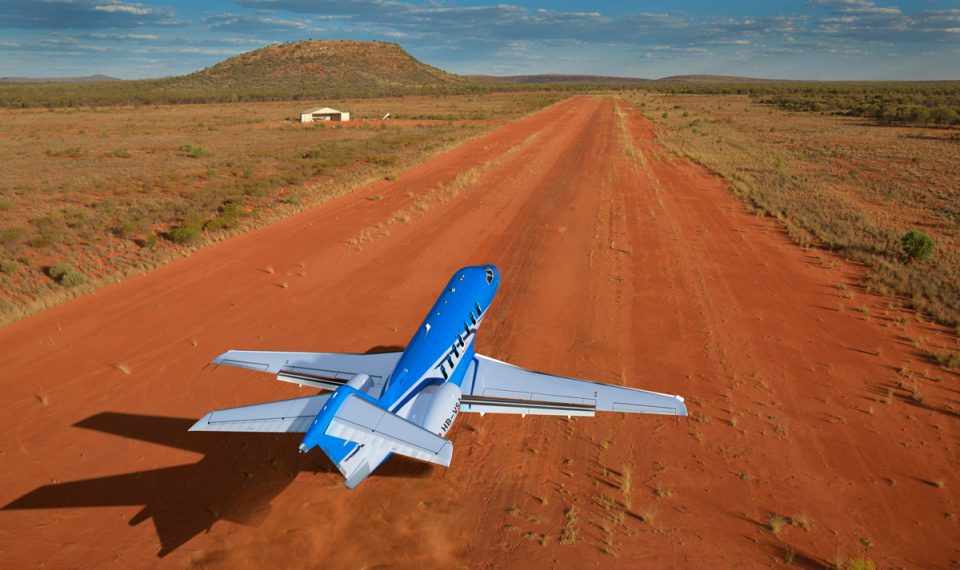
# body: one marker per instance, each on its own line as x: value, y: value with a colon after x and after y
x: 357, y: 434
x: 363, y: 422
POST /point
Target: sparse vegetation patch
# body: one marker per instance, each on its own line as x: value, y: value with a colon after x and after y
x: 851, y: 199
x: 193, y: 151
x: 153, y: 179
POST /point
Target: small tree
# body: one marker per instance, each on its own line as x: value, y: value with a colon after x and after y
x: 917, y: 245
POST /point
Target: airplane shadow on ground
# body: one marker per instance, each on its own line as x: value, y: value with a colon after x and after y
x: 238, y: 476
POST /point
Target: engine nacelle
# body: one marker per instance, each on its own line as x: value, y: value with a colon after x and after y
x: 436, y: 407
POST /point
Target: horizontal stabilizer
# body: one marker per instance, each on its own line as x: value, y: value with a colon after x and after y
x: 285, y: 416
x: 366, y: 423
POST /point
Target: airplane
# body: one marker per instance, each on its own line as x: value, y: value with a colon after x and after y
x: 375, y: 405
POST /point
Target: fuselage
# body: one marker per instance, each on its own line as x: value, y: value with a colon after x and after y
x: 442, y: 347
x: 424, y: 387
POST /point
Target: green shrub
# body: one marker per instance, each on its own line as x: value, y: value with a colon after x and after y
x: 121, y: 153
x: 943, y: 116
x: 51, y: 231
x: 10, y: 236
x: 8, y: 266
x: 65, y: 274
x: 860, y: 564
x: 5, y: 204
x: 72, y: 279
x: 228, y: 216
x: 72, y: 152
x: 193, y: 151
x: 128, y: 227
x: 185, y: 234
x: 917, y: 245
x: 59, y: 270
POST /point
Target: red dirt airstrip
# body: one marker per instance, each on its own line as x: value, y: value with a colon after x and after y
x: 620, y: 263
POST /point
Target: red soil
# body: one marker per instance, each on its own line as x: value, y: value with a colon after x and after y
x: 619, y: 262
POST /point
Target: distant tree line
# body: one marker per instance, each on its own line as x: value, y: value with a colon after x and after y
x: 935, y: 107
x: 925, y: 103
x: 887, y: 102
x: 154, y: 92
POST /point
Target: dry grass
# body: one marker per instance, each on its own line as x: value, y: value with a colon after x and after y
x: 662, y: 492
x: 647, y: 516
x: 858, y: 564
x: 626, y: 486
x: 835, y: 183
x: 801, y: 521
x: 569, y: 533
x: 915, y: 395
x: 776, y: 523
x: 110, y: 192
x: 438, y: 195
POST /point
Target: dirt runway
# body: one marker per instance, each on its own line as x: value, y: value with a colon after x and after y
x: 619, y: 262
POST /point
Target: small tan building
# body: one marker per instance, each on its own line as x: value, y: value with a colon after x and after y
x: 323, y: 114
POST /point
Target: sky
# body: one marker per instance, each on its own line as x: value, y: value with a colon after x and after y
x: 794, y: 39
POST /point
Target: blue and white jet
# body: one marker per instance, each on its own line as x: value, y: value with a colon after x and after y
x: 374, y: 405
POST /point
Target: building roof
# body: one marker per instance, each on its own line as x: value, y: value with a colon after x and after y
x: 320, y: 110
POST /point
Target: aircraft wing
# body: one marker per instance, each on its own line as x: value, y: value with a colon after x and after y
x: 492, y: 386
x: 323, y: 370
x: 285, y: 416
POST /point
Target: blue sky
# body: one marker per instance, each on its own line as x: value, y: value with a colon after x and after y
x: 803, y: 39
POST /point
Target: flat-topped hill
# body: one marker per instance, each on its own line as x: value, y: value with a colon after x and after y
x: 327, y: 65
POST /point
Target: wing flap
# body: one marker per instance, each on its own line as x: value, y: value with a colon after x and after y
x: 498, y: 387
x: 322, y: 370
x: 284, y: 416
x: 493, y: 405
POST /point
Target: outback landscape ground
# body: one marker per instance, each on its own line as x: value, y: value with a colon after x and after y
x: 823, y: 433
x: 844, y: 184
x: 91, y: 195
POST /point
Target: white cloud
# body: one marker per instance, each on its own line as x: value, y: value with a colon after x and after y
x: 480, y: 36
x: 120, y: 7
x: 122, y: 37
x: 858, y: 6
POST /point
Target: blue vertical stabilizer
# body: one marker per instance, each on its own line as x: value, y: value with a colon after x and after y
x: 338, y: 450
